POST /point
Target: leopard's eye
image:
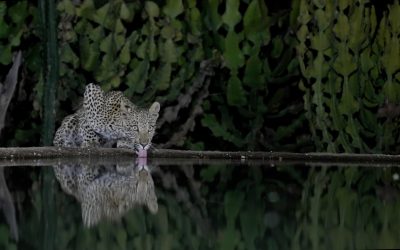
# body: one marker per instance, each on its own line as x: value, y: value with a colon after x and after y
x: 134, y: 127
x: 151, y: 127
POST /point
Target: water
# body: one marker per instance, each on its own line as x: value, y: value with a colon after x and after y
x: 175, y: 204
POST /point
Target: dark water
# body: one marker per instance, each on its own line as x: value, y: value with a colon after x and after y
x: 139, y: 205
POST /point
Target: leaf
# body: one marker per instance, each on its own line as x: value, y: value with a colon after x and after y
x: 121, y: 236
x: 152, y: 9
x: 255, y: 22
x: 232, y: 15
x: 88, y: 11
x: 97, y: 34
x: 141, y: 51
x: 167, y: 32
x: 250, y: 224
x: 210, y: 121
x: 126, y: 12
x: 195, y: 22
x: 342, y: 27
x: 232, y: 54
x: 4, y: 29
x: 89, y: 54
x: 69, y: 56
x: 173, y: 8
x: 229, y: 239
x: 348, y: 104
x: 233, y: 201
x: 320, y: 42
x: 106, y: 44
x: 213, y: 19
x: 125, y: 55
x: 119, y: 41
x: 277, y: 47
x: 3, y: 9
x: 235, y: 93
x: 391, y: 55
x: 18, y: 12
x: 161, y: 78
x: 102, y: 16
x: 169, y: 54
x: 119, y: 28
x: 66, y: 6
x: 137, y: 78
x: 344, y: 63
x: 115, y: 81
x: 208, y: 174
x: 152, y: 49
x: 5, y: 55
x: 253, y: 75
x: 15, y: 39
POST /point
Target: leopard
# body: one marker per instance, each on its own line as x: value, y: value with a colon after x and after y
x: 107, y: 192
x: 108, y: 118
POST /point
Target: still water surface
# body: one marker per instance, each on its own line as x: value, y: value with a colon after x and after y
x: 142, y: 205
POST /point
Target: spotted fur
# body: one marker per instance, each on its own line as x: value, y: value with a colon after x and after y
x: 107, y: 192
x: 108, y: 118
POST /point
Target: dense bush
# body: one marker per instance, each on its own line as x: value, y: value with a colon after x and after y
x: 238, y: 74
x: 155, y: 50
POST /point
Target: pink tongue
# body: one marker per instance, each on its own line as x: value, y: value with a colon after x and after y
x: 142, y: 153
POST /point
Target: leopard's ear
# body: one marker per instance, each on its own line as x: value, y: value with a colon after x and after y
x: 154, y: 108
x: 125, y: 107
x: 93, y: 92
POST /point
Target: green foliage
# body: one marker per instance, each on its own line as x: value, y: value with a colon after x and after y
x: 18, y: 31
x: 322, y: 71
x: 349, y: 74
x: 160, y: 57
x: 12, y: 27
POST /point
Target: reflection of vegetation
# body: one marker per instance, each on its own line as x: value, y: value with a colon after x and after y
x: 349, y: 208
x: 228, y: 207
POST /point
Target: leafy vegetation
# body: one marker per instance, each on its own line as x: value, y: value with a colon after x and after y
x: 298, y: 75
x: 350, y: 61
x: 154, y: 50
x: 233, y: 207
x: 305, y: 76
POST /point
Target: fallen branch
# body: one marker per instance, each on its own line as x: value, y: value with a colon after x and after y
x: 42, y: 153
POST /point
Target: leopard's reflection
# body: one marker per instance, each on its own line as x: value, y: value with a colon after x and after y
x: 108, y: 192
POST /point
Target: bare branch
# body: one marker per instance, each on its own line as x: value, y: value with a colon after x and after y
x: 7, y: 90
x: 179, y: 137
x: 171, y: 113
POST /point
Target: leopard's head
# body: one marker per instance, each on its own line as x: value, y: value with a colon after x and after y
x: 144, y: 128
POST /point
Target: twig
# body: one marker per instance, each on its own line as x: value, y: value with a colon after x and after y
x: 7, y: 89
x: 171, y: 113
x: 178, y: 138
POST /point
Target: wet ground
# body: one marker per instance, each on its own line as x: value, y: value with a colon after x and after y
x: 199, y: 205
